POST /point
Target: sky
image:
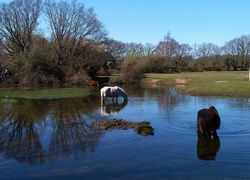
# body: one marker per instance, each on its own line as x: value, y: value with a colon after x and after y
x: 188, y: 21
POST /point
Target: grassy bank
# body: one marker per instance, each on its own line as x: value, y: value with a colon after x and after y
x: 44, y: 93
x: 225, y: 83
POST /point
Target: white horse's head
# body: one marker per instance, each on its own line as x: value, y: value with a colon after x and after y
x: 123, y: 93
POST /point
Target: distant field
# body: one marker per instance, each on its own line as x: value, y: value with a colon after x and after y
x: 44, y: 93
x: 222, y: 83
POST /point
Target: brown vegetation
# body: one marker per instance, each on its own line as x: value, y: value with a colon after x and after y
x: 142, y: 128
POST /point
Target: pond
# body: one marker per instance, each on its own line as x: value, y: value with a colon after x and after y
x: 54, y: 138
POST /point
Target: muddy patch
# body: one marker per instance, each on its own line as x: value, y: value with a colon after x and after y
x: 221, y: 81
x: 181, y: 81
x: 143, y: 128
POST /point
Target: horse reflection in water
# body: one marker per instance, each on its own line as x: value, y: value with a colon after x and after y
x: 207, y: 149
x: 112, y: 108
x: 113, y: 92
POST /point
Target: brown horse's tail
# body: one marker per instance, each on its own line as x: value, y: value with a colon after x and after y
x: 199, y: 124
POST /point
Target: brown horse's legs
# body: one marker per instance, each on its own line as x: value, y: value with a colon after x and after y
x: 212, y: 133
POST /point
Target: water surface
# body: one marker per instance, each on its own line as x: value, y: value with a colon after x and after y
x: 47, y: 139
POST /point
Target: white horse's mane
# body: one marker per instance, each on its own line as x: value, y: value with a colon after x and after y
x: 123, y: 93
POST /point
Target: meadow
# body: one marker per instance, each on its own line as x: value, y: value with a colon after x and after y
x: 221, y: 83
x: 218, y: 83
x: 43, y: 93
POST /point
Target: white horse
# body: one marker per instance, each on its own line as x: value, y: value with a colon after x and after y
x: 113, y: 92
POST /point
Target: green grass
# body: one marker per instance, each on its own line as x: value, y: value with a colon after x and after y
x: 44, y: 93
x: 226, y: 83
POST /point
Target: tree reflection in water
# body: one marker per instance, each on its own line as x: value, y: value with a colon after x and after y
x: 19, y: 140
x: 23, y: 123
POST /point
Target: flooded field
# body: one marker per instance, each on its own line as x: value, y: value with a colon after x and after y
x: 55, y: 138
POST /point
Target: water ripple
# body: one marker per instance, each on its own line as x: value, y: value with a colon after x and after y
x: 234, y: 129
x: 183, y: 126
x: 228, y: 128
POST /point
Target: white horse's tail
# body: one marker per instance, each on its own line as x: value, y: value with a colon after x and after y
x: 102, y: 94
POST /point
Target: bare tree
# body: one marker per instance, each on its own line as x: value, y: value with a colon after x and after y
x: 207, y: 54
x: 167, y: 47
x: 230, y: 48
x: 239, y: 50
x: 206, y: 49
x: 149, y: 49
x: 73, y: 27
x: 137, y: 48
x: 182, y: 50
x: 116, y: 48
x: 243, y: 51
x: 173, y: 51
x: 18, y: 22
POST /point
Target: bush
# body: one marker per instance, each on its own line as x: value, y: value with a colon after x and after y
x: 132, y: 70
x: 91, y: 68
x: 212, y: 68
x: 117, y: 80
x: 75, y: 78
x: 155, y: 64
x: 38, y: 79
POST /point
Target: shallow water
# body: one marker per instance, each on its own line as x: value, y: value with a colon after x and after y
x: 47, y: 139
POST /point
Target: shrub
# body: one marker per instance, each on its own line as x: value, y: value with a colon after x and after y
x: 155, y: 64
x: 132, y: 70
x: 73, y: 78
x: 38, y: 79
x: 116, y: 80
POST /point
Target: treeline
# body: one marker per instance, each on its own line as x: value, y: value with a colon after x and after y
x: 69, y: 55
x: 71, y: 47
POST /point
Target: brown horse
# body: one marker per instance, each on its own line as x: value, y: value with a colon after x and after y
x: 208, y: 121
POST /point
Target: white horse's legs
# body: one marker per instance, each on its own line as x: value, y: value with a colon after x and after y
x: 102, y: 99
x: 115, y: 97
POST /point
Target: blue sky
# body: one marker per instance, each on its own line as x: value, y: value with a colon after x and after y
x: 189, y: 21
